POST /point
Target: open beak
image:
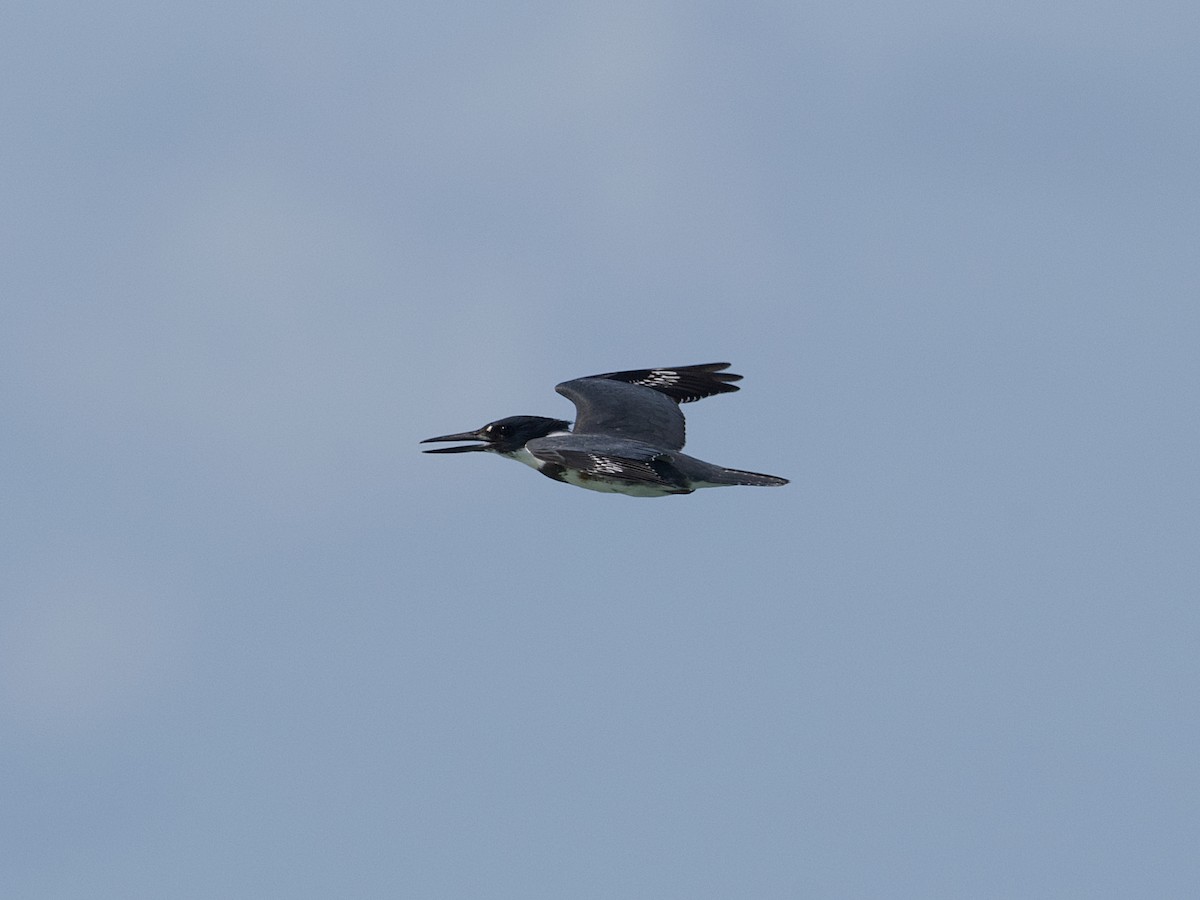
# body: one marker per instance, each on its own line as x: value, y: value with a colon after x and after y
x: 462, y: 436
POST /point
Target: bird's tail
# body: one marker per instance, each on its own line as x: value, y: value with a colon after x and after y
x: 737, y: 476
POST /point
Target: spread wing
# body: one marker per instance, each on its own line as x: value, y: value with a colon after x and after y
x: 683, y: 384
x: 625, y: 411
x: 643, y: 404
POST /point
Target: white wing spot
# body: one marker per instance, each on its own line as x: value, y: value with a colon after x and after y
x: 605, y: 466
x: 662, y: 376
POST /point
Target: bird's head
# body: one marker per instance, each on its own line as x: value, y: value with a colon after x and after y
x: 502, y: 436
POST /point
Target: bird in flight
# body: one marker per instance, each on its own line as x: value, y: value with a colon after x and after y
x: 627, y: 438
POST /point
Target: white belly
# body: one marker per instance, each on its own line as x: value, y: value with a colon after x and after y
x: 594, y: 483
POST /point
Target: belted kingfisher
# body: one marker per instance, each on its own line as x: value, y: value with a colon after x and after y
x: 627, y: 436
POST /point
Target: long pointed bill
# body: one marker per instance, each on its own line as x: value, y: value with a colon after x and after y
x: 461, y: 436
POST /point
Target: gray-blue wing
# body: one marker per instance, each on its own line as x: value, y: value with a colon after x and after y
x: 602, y: 458
x: 605, y: 406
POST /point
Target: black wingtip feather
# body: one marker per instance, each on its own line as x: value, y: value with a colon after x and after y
x: 683, y: 384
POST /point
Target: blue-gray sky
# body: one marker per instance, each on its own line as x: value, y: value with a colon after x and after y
x: 253, y: 644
